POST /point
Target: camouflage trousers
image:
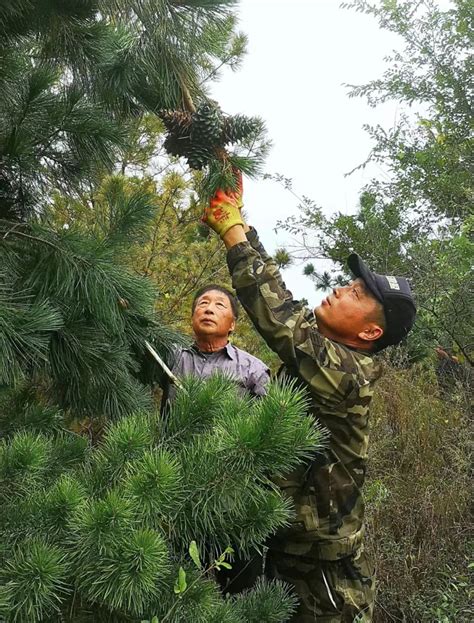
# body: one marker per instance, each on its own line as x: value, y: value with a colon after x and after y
x: 330, y: 591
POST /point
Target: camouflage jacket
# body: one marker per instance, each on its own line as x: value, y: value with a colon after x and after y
x: 329, y: 518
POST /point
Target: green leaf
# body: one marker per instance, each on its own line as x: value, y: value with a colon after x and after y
x: 226, y: 565
x: 180, y: 585
x: 194, y: 553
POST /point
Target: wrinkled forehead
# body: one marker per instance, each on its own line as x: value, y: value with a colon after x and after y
x: 213, y: 295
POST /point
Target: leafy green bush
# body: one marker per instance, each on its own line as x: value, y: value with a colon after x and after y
x: 418, y: 494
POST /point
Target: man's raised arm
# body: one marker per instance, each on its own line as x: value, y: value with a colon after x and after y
x: 288, y: 327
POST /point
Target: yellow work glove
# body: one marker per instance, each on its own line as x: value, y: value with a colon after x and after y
x: 224, y: 209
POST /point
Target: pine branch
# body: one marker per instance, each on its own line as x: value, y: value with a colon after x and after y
x: 123, y: 512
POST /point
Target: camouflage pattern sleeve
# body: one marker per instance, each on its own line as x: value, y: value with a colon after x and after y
x: 271, y: 265
x: 326, y: 492
x: 331, y: 370
x: 255, y: 243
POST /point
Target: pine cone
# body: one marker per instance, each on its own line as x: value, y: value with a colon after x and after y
x: 177, y: 146
x: 239, y: 127
x: 207, y: 125
x: 177, y: 122
x: 201, y: 136
x: 199, y: 156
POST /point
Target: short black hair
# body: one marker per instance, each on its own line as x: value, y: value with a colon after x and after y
x: 214, y: 286
x: 379, y: 318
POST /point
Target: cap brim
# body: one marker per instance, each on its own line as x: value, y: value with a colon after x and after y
x: 359, y: 269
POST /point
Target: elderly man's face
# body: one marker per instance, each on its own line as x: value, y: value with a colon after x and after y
x: 213, y: 315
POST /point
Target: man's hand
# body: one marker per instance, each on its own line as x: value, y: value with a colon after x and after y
x: 224, y: 209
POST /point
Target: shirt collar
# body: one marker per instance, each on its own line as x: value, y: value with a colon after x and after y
x: 229, y: 349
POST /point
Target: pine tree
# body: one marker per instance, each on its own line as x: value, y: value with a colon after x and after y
x: 74, y: 74
x: 111, y: 512
x: 134, y: 525
x: 73, y: 319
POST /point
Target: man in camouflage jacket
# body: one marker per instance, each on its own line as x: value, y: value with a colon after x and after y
x: 330, y: 351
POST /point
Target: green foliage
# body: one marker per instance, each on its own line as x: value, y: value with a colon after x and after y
x: 92, y: 521
x: 268, y: 602
x: 25, y: 326
x: 176, y: 251
x: 180, y: 585
x: 454, y: 596
x: 194, y: 411
x: 33, y: 582
x: 156, y: 483
x: 20, y: 410
x: 24, y: 461
x: 262, y: 432
x: 49, y: 139
x: 59, y: 504
x: 129, y: 212
x: 84, y: 316
x: 126, y: 525
x: 282, y: 258
x: 124, y: 572
x: 417, y: 495
x: 74, y: 77
x: 236, y: 442
x: 194, y: 553
x: 248, y: 156
x: 417, y: 221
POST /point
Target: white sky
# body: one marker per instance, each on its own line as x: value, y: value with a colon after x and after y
x: 300, y: 53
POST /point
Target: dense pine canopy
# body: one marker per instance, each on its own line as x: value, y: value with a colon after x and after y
x: 74, y: 74
x: 102, y: 521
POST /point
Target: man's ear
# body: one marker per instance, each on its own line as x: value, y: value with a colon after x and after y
x: 232, y: 327
x: 371, y: 333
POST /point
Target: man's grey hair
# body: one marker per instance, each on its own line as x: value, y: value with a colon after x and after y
x: 213, y: 286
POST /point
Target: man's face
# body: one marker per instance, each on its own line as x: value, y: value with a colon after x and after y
x: 345, y: 314
x: 213, y: 315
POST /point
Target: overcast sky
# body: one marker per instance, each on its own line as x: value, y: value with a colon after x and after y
x: 300, y: 54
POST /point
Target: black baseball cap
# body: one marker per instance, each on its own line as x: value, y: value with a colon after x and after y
x: 394, y: 294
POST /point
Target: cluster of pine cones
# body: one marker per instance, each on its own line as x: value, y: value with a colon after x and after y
x: 202, y: 136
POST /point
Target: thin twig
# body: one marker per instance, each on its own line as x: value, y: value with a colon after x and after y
x: 23, y: 235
